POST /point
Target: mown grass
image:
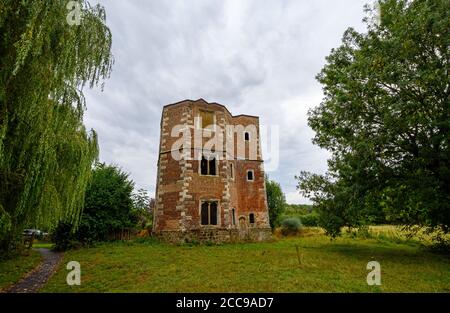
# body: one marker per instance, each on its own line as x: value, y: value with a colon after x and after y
x: 13, y: 269
x: 46, y: 245
x: 320, y: 265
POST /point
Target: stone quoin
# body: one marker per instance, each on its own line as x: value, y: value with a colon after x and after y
x: 210, y: 181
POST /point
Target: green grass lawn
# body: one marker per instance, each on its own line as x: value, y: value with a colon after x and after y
x: 47, y: 245
x: 12, y: 270
x: 326, y: 266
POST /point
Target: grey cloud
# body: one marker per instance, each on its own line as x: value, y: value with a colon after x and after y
x: 255, y: 57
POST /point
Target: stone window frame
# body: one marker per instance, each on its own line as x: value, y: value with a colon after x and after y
x: 199, y: 126
x: 245, y: 218
x: 219, y: 209
x: 216, y: 156
x: 253, y: 175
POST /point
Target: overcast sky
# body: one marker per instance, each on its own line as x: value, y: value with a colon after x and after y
x: 255, y: 57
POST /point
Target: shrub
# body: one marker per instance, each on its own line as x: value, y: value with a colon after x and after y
x: 275, y: 200
x: 290, y: 226
x: 108, y: 207
x: 311, y: 219
x: 64, y: 238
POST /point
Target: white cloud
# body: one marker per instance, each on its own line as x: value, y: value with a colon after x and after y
x: 295, y: 198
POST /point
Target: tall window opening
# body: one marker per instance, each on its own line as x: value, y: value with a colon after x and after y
x: 208, y: 166
x: 233, y: 216
x: 247, y: 136
x: 250, y: 175
x: 209, y: 213
x: 251, y: 218
x: 231, y: 171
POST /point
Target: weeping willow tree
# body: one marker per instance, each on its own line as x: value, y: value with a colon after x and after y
x: 46, y: 154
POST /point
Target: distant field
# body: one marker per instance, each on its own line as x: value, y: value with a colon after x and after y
x: 320, y: 265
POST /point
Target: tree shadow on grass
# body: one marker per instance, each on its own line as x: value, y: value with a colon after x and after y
x: 398, y: 252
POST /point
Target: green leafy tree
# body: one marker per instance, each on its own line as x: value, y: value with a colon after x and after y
x: 142, y: 209
x: 46, y: 154
x: 276, y: 201
x: 141, y: 200
x: 108, y: 206
x: 298, y: 209
x: 385, y: 119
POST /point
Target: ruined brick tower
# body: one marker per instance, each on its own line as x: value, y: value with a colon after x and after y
x: 210, y: 180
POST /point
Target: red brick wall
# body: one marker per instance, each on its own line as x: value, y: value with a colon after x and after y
x: 180, y: 187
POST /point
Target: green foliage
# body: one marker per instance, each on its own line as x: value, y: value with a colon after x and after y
x: 142, y: 210
x: 276, y: 201
x: 310, y: 220
x: 385, y: 119
x: 108, y: 209
x: 46, y: 154
x: 297, y: 209
x: 64, y: 237
x: 290, y: 226
x: 108, y: 206
x: 305, y: 212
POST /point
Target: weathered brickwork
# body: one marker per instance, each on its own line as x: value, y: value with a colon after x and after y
x: 182, y: 187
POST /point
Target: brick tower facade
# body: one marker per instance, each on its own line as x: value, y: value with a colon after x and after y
x: 210, y: 180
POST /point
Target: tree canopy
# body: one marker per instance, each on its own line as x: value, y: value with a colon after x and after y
x: 109, y: 204
x: 385, y: 119
x: 46, y: 154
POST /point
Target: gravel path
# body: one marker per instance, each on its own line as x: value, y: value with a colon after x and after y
x: 39, y: 276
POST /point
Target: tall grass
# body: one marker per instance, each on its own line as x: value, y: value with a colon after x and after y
x: 401, y: 234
